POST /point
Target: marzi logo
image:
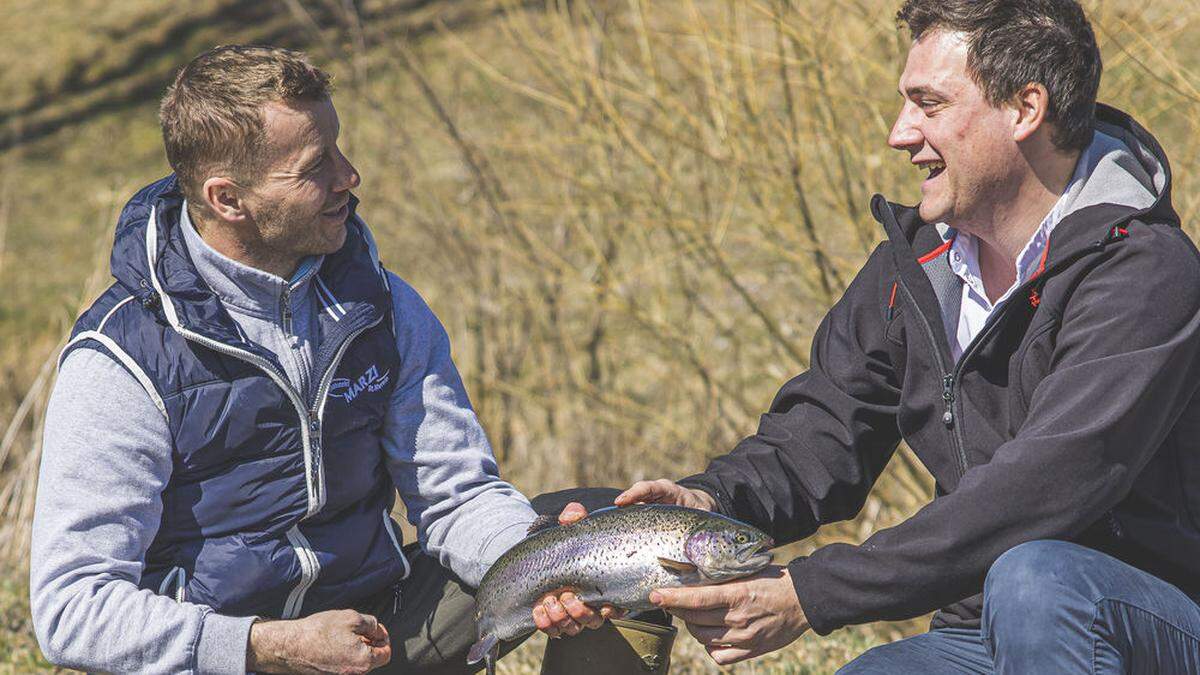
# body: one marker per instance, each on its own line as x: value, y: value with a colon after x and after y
x: 370, y: 381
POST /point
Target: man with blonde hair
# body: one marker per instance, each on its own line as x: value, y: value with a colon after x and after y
x: 234, y: 415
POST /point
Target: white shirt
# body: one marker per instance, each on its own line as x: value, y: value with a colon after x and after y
x: 975, y: 308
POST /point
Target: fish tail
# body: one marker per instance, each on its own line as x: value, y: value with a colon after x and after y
x: 487, y: 650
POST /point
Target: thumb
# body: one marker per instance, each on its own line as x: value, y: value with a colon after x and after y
x: 376, y: 636
x: 366, y: 626
x: 572, y: 513
x: 380, y: 655
x: 648, y: 491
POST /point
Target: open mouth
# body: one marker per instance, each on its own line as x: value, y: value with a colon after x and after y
x: 935, y: 169
x: 755, y: 552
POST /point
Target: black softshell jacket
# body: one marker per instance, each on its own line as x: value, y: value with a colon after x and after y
x: 1073, y: 415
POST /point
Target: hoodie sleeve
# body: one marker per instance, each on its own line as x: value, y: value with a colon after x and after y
x: 1125, y: 365
x: 438, y: 454
x: 829, y: 432
x: 106, y: 458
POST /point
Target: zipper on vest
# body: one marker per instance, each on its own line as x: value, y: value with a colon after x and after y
x: 285, y: 314
x: 310, y: 567
x: 178, y: 576
x: 310, y: 437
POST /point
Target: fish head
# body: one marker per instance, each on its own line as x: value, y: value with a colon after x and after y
x: 723, y: 548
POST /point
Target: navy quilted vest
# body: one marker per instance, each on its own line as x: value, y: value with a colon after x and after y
x: 277, y: 506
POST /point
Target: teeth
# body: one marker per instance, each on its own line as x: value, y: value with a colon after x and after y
x: 933, y: 166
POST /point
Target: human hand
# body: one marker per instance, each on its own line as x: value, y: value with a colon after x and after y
x: 561, y: 611
x: 663, y: 491
x: 740, y: 619
x: 336, y: 641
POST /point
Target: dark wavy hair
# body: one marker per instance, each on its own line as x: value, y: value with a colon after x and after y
x: 1011, y: 43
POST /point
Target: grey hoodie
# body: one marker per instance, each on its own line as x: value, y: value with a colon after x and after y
x: 107, y: 457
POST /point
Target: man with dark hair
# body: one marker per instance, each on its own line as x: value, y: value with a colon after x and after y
x: 1032, y: 331
x: 234, y: 415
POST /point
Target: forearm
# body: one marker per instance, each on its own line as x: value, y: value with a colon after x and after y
x: 438, y: 455
x: 105, y: 461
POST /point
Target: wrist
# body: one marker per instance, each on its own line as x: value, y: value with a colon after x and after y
x: 264, y: 651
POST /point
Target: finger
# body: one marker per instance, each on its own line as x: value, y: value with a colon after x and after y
x: 645, y: 491
x: 694, y: 597
x: 581, y: 613
x: 572, y: 513
x: 718, y: 636
x: 366, y: 625
x: 376, y: 636
x: 541, y: 619
x: 380, y: 655
x: 703, y: 617
x: 727, y: 655
x: 555, y: 610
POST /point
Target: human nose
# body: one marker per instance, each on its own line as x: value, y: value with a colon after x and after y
x: 348, y: 177
x: 905, y: 133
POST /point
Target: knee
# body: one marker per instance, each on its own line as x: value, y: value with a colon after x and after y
x: 1033, y: 582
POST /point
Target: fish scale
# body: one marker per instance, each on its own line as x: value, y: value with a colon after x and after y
x: 613, y: 556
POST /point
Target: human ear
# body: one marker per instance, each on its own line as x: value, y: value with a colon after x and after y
x: 1029, y: 106
x: 224, y: 198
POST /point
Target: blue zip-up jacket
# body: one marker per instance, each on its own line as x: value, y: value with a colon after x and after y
x: 283, y: 462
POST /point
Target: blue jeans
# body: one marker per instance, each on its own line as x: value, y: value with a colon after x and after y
x: 1056, y: 607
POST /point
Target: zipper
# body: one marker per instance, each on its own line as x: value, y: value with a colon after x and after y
x: 177, y: 575
x: 285, y: 307
x: 387, y: 527
x: 310, y: 436
x: 310, y: 433
x: 950, y: 380
x: 310, y: 567
x: 315, y: 498
x: 947, y: 383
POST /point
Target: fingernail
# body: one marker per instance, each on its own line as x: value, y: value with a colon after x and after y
x: 656, y: 597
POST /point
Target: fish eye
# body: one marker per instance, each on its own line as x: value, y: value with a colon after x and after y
x: 741, y: 538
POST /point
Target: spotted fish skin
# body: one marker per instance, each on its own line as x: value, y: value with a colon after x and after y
x: 614, y: 556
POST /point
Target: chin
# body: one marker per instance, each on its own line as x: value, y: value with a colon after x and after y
x: 932, y: 212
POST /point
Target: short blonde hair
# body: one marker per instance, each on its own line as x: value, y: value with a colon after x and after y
x: 212, y: 115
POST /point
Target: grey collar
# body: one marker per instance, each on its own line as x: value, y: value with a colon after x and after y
x: 239, y: 286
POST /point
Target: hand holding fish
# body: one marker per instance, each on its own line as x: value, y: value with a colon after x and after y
x: 663, y: 491
x: 562, y: 612
x: 614, y: 556
x: 740, y: 619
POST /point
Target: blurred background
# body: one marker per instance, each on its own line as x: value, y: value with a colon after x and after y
x: 629, y: 214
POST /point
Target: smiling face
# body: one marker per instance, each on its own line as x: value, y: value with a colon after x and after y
x: 298, y: 207
x: 949, y: 129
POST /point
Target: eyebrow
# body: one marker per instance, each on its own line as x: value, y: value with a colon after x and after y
x: 309, y: 160
x: 919, y: 90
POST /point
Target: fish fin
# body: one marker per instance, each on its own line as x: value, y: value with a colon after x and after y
x: 492, y: 655
x: 488, y: 648
x: 677, y: 566
x: 542, y: 523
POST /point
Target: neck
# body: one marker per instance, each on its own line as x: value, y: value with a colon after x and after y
x: 1014, y: 217
x: 224, y: 239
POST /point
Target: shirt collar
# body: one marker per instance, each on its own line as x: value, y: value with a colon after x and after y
x: 246, y: 288
x: 964, y: 247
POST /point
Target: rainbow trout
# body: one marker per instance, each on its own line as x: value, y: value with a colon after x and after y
x: 613, y: 556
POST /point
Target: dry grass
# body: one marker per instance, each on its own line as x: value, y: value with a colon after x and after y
x: 630, y: 215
